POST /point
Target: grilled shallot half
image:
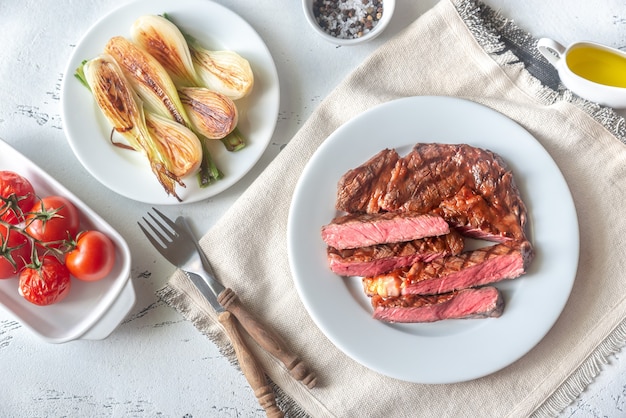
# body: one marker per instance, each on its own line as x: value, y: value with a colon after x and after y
x: 125, y: 112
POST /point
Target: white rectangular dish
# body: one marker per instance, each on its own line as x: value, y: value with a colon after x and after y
x: 92, y: 310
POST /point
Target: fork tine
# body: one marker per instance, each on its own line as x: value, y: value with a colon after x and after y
x: 167, y: 220
x: 162, y: 232
x: 167, y: 235
x: 151, y: 238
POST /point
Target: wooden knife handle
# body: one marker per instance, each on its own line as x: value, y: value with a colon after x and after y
x: 267, y: 339
x: 250, y: 367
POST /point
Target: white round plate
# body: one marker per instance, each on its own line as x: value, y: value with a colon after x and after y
x: 446, y: 351
x: 127, y: 172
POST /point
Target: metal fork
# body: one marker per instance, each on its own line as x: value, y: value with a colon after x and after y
x: 179, y: 246
x: 175, y: 241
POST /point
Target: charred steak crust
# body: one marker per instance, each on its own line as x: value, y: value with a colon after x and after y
x: 378, y: 259
x: 363, y: 187
x: 470, y: 187
x: 470, y: 269
x: 484, y: 302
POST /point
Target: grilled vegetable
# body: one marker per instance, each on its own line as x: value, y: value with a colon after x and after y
x: 212, y: 114
x: 182, y: 146
x: 226, y: 72
x: 148, y: 78
x: 163, y: 40
x: 155, y: 87
x: 230, y: 76
x: 124, y: 110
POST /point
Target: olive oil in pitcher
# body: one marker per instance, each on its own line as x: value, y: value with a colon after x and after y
x: 598, y: 65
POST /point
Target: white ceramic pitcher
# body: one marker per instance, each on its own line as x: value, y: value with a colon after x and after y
x: 592, y: 71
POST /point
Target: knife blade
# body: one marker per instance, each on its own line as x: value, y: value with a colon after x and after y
x: 206, y: 291
x: 208, y: 275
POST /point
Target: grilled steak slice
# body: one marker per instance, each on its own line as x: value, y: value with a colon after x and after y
x: 382, y: 258
x: 362, y: 187
x: 363, y: 230
x: 470, y: 269
x: 484, y: 302
x: 470, y: 187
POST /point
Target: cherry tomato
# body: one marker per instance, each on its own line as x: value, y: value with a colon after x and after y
x: 45, y: 282
x: 53, y: 219
x: 17, y: 196
x: 92, y: 258
x: 15, y: 252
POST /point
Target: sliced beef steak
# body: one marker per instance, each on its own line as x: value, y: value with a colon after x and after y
x: 382, y: 258
x: 484, y: 302
x: 364, y: 230
x: 469, y: 269
x: 470, y: 187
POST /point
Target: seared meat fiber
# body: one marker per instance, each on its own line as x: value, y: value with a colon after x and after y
x: 378, y: 259
x: 363, y: 230
x: 484, y: 302
x: 470, y: 187
x: 370, y: 180
x: 470, y: 269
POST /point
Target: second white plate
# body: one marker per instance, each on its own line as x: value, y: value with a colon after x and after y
x: 127, y: 172
x: 447, y: 351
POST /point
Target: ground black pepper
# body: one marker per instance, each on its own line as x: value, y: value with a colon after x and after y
x: 347, y: 19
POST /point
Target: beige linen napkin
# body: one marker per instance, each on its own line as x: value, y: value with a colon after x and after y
x: 459, y: 48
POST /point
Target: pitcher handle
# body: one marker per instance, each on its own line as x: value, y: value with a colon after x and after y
x: 551, y: 50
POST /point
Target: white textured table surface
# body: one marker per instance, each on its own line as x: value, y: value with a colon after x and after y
x: 130, y: 373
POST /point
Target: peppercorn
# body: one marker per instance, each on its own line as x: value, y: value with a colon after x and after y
x: 347, y: 19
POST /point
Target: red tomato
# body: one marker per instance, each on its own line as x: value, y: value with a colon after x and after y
x: 53, y: 219
x: 17, y: 196
x: 45, y: 283
x: 15, y: 252
x: 92, y: 258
